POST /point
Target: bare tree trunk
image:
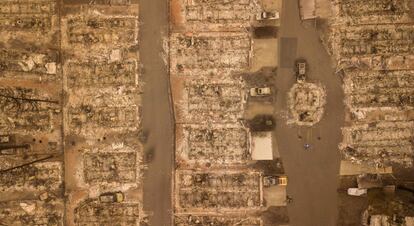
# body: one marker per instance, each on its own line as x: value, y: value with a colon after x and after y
x: 5, y: 147
x: 29, y: 99
x: 26, y: 164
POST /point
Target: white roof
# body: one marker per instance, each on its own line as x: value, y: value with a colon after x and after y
x: 261, y: 145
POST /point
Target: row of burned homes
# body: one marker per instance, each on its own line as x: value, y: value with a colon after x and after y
x: 70, y: 108
x: 31, y: 155
x: 214, y: 182
x: 377, y: 61
x: 102, y: 114
x: 372, y: 42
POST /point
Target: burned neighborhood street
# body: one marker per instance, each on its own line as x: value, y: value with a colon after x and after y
x: 206, y: 112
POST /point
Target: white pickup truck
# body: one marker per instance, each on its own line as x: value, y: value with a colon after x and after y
x: 357, y: 191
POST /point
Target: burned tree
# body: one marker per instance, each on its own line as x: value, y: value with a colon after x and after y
x: 18, y: 100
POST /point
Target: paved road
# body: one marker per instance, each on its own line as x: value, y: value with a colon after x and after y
x: 312, y: 174
x: 157, y: 118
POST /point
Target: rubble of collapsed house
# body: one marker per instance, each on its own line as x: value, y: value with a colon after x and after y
x: 208, y: 54
x: 110, y: 2
x: 36, y: 177
x: 94, y: 212
x: 118, y: 166
x: 31, y: 172
x: 15, y: 150
x: 193, y: 220
x: 208, y: 190
x: 28, y: 17
x: 96, y: 32
x: 306, y: 103
x: 372, y: 43
x: 103, y: 112
x: 209, y: 15
x: 394, y: 211
x: 47, y: 211
x: 212, y: 101
x: 210, y: 48
x: 126, y: 72
x: 25, y: 109
x: 389, y: 142
x: 373, y: 11
x: 114, y: 109
x: 377, y: 199
x: 13, y: 63
x: 383, y: 220
x: 221, y: 144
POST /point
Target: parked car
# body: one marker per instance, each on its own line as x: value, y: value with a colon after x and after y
x: 357, y: 191
x: 267, y: 15
x: 112, y: 197
x: 274, y: 180
x: 301, y: 68
x: 264, y: 91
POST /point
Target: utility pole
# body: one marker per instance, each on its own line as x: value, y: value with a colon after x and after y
x: 26, y: 164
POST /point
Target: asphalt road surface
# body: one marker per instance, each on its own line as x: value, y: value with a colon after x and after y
x: 313, y: 173
x: 157, y: 117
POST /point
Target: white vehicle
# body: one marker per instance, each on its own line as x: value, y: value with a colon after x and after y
x: 357, y: 191
x: 263, y: 91
x: 267, y: 15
